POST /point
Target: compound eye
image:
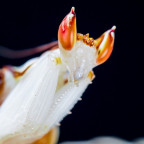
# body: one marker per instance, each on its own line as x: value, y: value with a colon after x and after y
x: 104, y: 45
x: 67, y: 31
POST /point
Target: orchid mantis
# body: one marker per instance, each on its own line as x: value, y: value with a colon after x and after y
x: 36, y: 96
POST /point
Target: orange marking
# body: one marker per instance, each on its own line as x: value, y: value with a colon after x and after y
x: 15, y: 73
x: 58, y: 60
x: 50, y: 138
x: 91, y: 75
x: 86, y: 39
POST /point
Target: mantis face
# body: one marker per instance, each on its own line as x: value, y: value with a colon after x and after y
x: 79, y: 52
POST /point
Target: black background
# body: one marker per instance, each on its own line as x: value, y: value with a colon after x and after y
x: 114, y: 104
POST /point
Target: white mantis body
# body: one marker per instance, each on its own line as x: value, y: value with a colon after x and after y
x: 39, y: 94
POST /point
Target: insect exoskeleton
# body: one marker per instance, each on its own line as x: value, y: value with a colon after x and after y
x: 79, y: 52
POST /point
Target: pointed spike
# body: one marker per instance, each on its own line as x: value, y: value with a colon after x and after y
x: 69, y: 112
x: 58, y: 124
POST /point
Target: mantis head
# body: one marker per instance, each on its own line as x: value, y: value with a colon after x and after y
x: 79, y: 52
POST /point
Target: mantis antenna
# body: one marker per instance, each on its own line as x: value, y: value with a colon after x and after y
x: 16, y: 54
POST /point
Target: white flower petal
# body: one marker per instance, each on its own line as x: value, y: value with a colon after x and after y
x: 101, y: 140
x: 139, y: 141
x: 27, y: 106
x: 107, y: 140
